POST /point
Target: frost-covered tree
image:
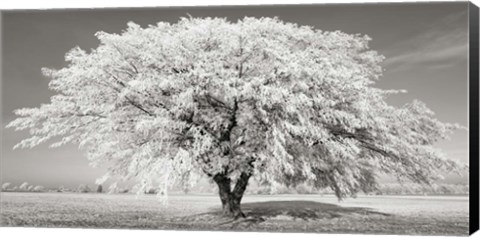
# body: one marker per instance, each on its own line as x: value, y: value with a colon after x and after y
x: 6, y: 186
x: 83, y: 188
x: 24, y: 186
x: 39, y: 188
x: 233, y: 100
x: 61, y: 189
x: 30, y: 188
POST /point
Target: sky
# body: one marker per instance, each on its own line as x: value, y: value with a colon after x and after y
x: 425, y: 45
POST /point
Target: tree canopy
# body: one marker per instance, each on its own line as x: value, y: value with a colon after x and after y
x: 232, y: 100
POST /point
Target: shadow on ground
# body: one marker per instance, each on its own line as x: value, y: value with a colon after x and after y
x: 305, y: 210
x: 259, y: 212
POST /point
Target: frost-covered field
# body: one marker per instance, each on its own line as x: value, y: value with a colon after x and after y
x: 292, y: 213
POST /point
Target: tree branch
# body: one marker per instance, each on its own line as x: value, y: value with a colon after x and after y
x: 215, y: 102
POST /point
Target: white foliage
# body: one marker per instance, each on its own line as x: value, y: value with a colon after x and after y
x: 6, y: 186
x: 39, y: 188
x: 24, y: 186
x: 283, y: 102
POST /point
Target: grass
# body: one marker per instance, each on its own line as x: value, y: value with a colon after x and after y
x: 277, y: 213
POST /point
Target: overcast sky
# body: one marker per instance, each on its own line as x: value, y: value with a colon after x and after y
x: 425, y: 44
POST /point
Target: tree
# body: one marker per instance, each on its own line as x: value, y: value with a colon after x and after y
x: 24, y: 186
x: 30, y: 188
x: 255, y: 98
x: 39, y: 188
x: 83, y: 188
x: 6, y: 186
x: 61, y: 189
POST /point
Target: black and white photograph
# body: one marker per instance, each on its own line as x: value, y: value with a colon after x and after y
x: 340, y: 118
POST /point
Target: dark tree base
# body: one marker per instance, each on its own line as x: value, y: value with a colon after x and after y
x: 231, y: 198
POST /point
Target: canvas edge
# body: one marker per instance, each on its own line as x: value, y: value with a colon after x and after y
x: 474, y: 121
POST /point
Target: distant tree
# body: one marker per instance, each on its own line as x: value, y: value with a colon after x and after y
x: 6, y: 186
x: 151, y: 191
x: 61, y: 189
x: 39, y: 188
x: 24, y: 187
x: 30, y: 188
x: 257, y: 98
x: 99, y: 188
x: 83, y: 188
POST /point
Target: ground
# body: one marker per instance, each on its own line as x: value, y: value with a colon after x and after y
x: 426, y: 215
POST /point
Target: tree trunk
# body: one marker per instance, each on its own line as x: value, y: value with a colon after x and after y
x: 231, y: 198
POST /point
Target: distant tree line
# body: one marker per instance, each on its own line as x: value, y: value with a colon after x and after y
x: 26, y: 187
x: 258, y: 189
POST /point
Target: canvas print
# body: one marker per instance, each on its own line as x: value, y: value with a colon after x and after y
x: 337, y: 118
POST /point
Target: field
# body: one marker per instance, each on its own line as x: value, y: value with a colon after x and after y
x: 427, y: 215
